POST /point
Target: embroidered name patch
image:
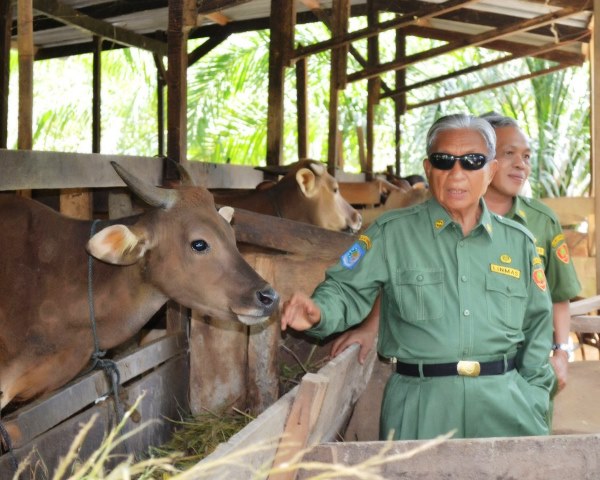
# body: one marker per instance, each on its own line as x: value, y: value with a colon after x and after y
x: 351, y: 257
x: 511, y: 272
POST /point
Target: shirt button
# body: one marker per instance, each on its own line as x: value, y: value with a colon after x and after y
x: 466, y: 313
x: 461, y: 243
x: 463, y: 278
x: 420, y: 278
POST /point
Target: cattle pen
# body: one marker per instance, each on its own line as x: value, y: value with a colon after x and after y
x: 203, y: 363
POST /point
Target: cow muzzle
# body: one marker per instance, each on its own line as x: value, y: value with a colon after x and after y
x: 266, y: 301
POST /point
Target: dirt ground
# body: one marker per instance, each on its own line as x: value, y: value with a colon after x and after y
x: 575, y: 410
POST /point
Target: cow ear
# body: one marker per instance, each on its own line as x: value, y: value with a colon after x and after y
x: 307, y: 181
x: 226, y: 213
x: 118, y: 245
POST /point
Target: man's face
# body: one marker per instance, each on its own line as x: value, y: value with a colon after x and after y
x: 458, y: 190
x: 514, y: 156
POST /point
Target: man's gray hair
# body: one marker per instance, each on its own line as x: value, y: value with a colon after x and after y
x: 460, y: 121
x: 497, y: 121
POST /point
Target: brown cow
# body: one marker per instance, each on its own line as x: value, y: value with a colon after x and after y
x: 307, y: 193
x: 183, y: 249
x: 396, y: 199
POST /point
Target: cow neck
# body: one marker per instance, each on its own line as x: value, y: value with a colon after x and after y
x: 272, y: 196
x: 98, y: 361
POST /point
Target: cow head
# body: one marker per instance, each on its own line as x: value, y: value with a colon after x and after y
x: 329, y: 209
x: 186, y: 250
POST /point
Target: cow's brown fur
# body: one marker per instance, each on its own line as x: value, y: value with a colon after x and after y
x: 306, y: 193
x: 45, y: 332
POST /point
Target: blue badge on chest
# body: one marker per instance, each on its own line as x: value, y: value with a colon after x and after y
x: 351, y: 257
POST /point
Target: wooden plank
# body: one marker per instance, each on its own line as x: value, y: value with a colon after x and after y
x: 585, y: 267
x: 585, y: 324
x: 71, y: 16
x: 300, y: 422
x: 571, y: 210
x: 255, y: 445
x: 583, y: 306
x: 288, y: 235
x: 35, y: 169
x: 43, y: 414
x: 164, y: 393
x: 556, y: 456
x: 76, y: 203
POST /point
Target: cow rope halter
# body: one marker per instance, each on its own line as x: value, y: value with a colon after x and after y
x: 98, y: 361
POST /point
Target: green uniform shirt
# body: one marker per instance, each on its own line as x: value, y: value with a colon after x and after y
x: 446, y: 297
x: 550, y: 244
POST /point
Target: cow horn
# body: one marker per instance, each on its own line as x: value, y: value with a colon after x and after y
x: 184, y: 174
x: 153, y: 196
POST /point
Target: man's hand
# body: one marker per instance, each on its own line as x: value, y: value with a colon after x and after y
x: 365, y: 338
x: 300, y: 313
x: 560, y: 363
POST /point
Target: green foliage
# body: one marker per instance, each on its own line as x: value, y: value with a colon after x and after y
x: 227, y: 106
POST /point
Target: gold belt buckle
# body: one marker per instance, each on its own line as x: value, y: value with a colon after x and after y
x: 468, y: 368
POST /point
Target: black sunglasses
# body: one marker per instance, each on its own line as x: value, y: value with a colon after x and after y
x: 445, y: 161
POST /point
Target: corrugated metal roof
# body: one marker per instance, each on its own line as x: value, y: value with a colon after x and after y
x: 150, y: 17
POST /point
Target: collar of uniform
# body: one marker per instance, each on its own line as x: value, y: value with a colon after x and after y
x: 517, y: 212
x: 440, y: 218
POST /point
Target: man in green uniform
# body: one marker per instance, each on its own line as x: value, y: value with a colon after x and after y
x: 464, y: 301
x: 513, y: 154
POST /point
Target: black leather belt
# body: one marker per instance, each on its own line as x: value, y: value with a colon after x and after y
x: 466, y: 368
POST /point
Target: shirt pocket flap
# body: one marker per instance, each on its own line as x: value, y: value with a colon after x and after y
x: 506, y: 287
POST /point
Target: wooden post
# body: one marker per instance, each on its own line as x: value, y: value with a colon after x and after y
x: 97, y: 97
x: 5, y: 27
x: 399, y: 102
x: 302, y: 102
x: 25, y: 43
x: 161, y: 79
x: 341, y: 13
x: 283, y: 20
x: 595, y: 123
x: 373, y: 86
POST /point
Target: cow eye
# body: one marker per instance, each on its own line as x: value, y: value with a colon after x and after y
x: 200, y: 246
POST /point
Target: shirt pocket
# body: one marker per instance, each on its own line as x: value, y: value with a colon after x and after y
x: 420, y: 294
x: 506, y: 301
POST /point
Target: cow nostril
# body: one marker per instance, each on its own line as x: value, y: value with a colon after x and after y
x: 267, y: 297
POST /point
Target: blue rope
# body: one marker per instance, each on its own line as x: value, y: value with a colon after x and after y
x: 98, y: 361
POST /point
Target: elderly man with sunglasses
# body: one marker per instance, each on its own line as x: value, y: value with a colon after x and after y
x: 464, y: 302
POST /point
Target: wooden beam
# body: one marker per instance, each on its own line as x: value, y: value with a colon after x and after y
x: 374, y: 30
x: 283, y: 20
x: 595, y: 124
x: 206, y: 47
x: 210, y: 6
x: 71, y: 16
x: 5, y: 35
x: 489, y: 86
x: 529, y: 52
x: 467, y: 41
x: 302, y: 106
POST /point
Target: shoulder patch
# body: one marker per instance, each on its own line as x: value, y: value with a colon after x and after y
x: 539, y: 278
x: 350, y: 257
